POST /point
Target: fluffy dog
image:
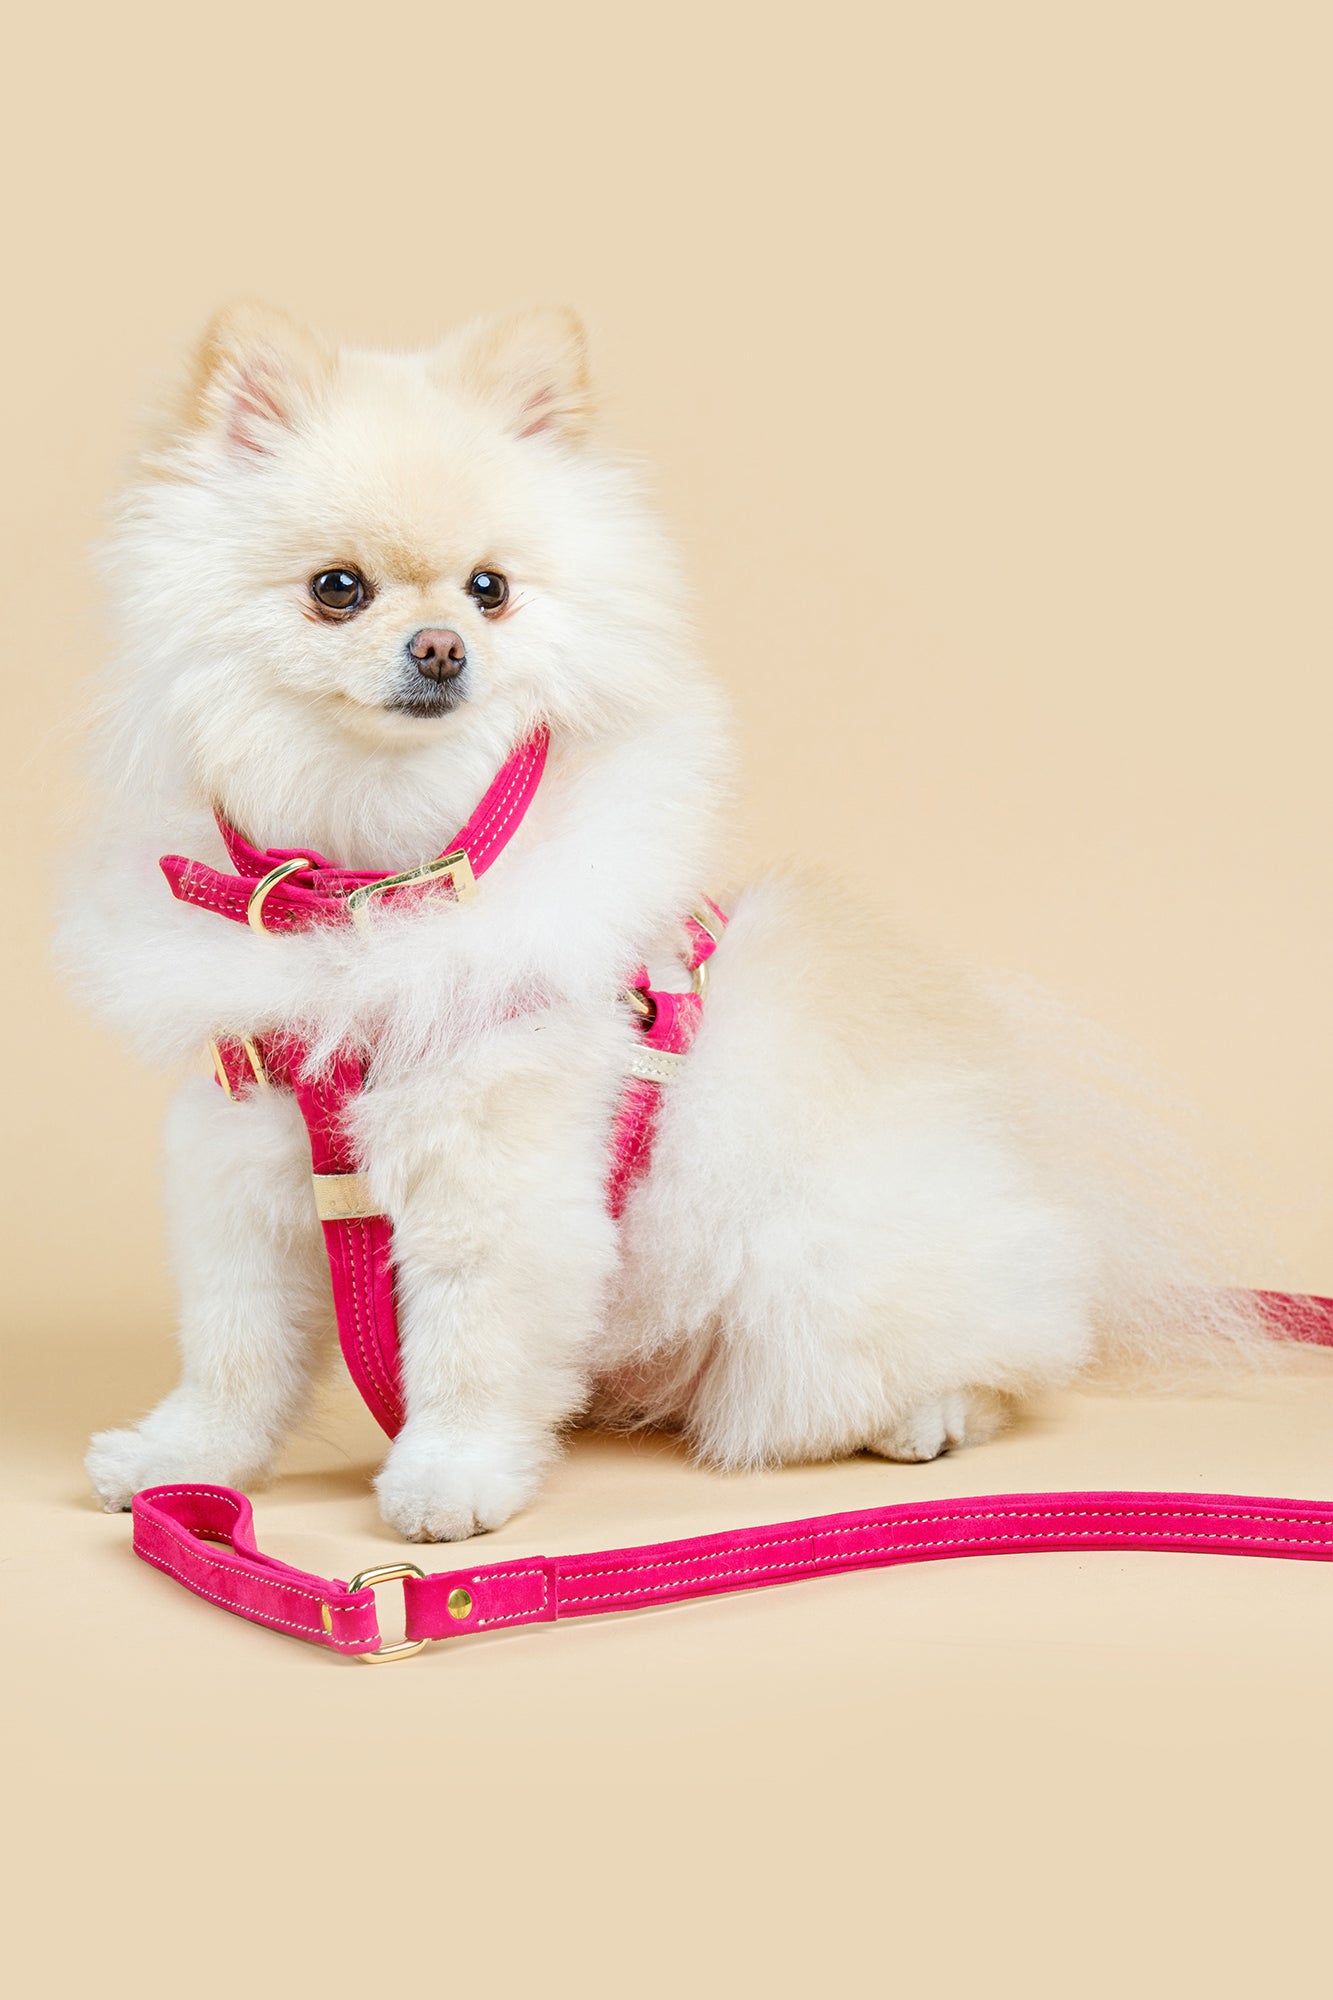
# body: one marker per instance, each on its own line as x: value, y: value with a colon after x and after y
x: 878, y: 1209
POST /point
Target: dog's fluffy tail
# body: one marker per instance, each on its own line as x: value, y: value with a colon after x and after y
x: 1172, y: 1249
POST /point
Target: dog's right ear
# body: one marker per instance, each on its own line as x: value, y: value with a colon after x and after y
x: 256, y: 373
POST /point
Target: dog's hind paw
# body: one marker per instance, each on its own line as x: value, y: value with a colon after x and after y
x: 967, y: 1416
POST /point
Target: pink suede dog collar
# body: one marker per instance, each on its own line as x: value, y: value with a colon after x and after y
x: 286, y: 889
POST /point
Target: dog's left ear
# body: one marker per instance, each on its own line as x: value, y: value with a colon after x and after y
x: 530, y: 367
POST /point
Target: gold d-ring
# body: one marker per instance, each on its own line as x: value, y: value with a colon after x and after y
x: 386, y: 1574
x: 254, y: 909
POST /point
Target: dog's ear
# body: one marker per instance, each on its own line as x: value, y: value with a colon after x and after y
x: 530, y: 367
x: 256, y: 373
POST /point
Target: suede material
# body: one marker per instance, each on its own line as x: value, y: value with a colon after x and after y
x: 204, y: 1538
x: 878, y: 1538
x: 318, y: 892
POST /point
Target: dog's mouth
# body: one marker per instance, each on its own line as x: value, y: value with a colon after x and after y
x: 430, y: 698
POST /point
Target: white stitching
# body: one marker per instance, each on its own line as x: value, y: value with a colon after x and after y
x: 915, y: 1548
x: 217, y: 901
x: 204, y: 1493
x: 678, y: 1562
x: 351, y: 1237
x: 486, y: 837
x: 184, y: 1539
x: 649, y: 1065
x: 188, y: 1547
x: 159, y: 1561
x: 392, y: 1400
x: 355, y: 1241
x: 930, y: 1520
x: 503, y: 1575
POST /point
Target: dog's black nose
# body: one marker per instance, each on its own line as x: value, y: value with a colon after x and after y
x: 437, y: 653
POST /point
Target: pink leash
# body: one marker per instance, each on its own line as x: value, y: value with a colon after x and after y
x: 204, y: 1535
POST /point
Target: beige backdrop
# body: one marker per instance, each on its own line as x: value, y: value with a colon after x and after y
x: 983, y: 355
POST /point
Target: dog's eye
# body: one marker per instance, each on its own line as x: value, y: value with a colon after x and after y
x: 338, y: 590
x: 490, y: 589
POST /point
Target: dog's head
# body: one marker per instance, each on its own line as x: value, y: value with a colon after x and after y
x: 362, y: 555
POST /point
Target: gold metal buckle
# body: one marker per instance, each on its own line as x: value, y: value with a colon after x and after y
x: 254, y: 909
x: 220, y: 1068
x: 699, y: 972
x: 252, y: 1056
x: 388, y: 1573
x: 455, y: 868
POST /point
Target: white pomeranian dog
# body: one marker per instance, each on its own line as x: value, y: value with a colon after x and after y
x: 880, y: 1204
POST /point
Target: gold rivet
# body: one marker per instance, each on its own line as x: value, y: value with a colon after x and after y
x: 326, y: 1619
x: 460, y: 1604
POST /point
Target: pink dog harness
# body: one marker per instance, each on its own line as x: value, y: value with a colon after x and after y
x: 279, y: 889
x: 204, y: 1535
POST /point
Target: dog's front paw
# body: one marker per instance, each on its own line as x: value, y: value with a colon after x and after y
x: 435, y: 1489
x: 121, y: 1463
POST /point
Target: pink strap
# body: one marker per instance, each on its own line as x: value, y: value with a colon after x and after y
x: 360, y: 1250
x: 1300, y: 1316
x: 541, y: 1590
x: 318, y: 893
x: 204, y: 1537
x: 672, y: 1022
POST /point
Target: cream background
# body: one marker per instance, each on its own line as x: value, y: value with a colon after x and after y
x: 982, y: 352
